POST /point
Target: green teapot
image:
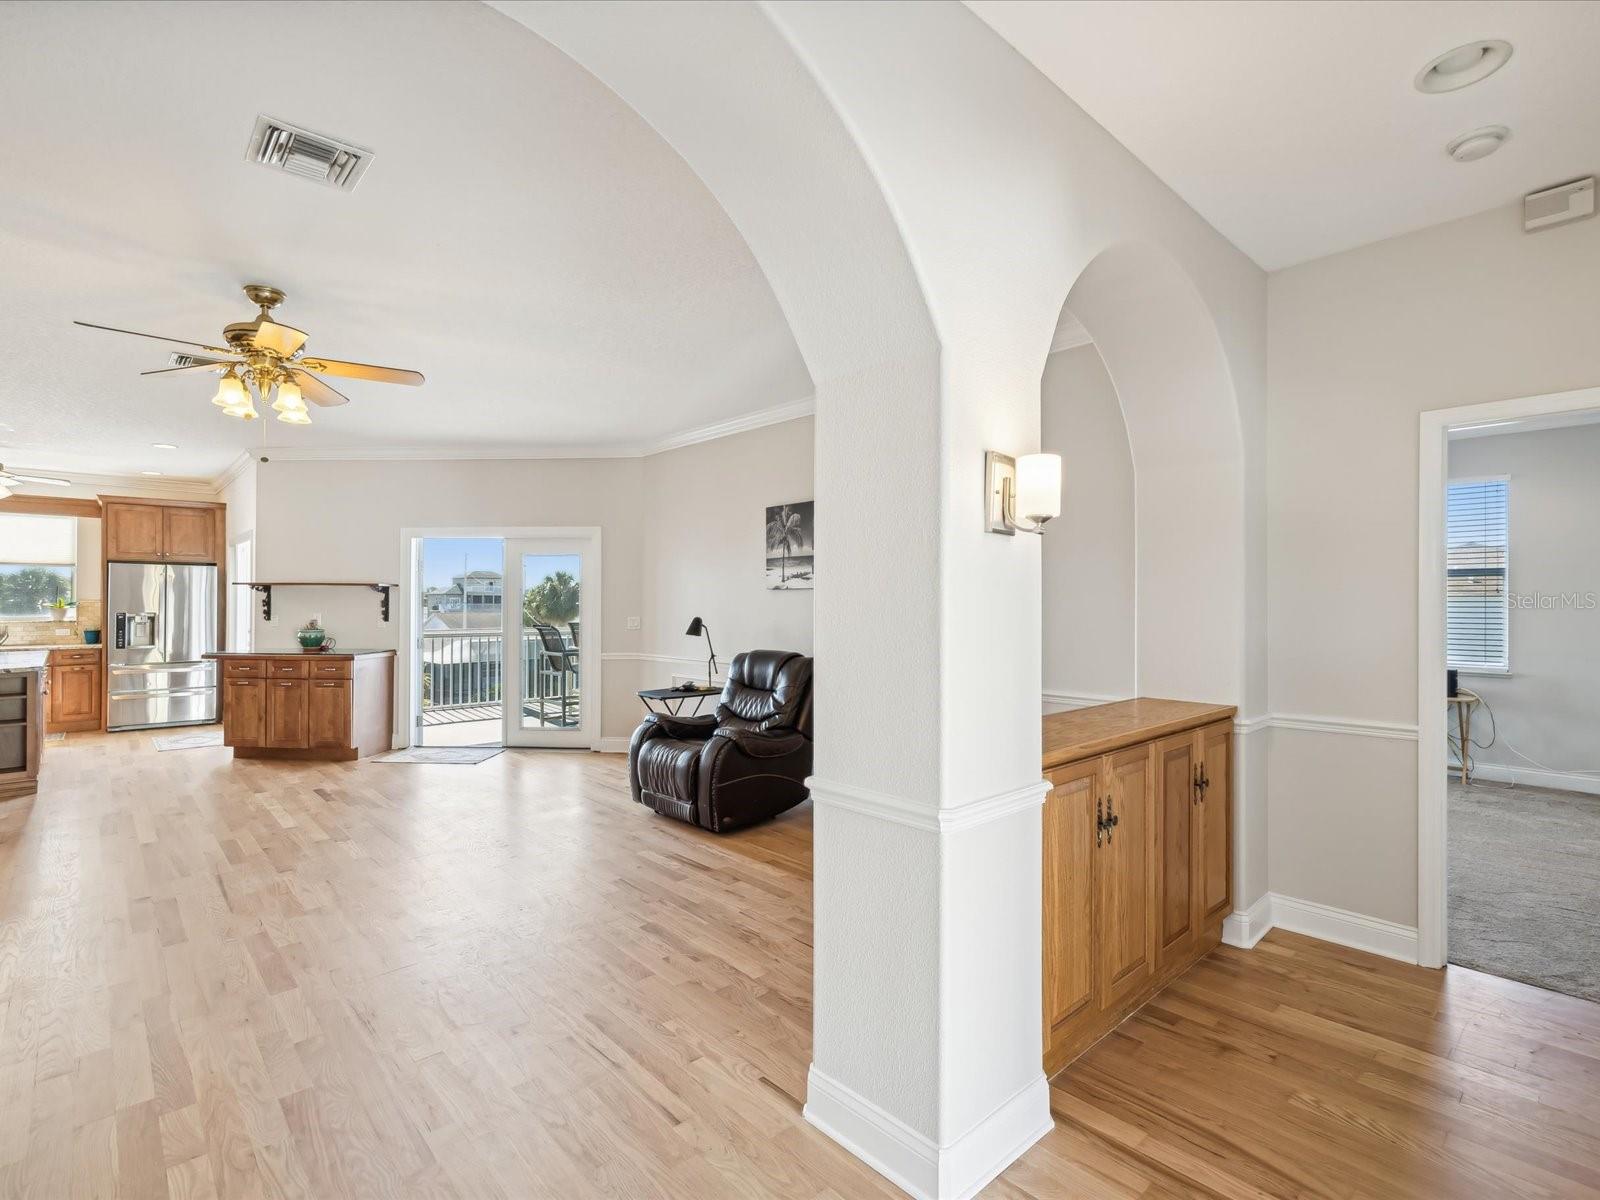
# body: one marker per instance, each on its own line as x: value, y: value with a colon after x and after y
x: 313, y: 636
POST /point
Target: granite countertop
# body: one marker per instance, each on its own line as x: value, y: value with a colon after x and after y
x: 51, y: 646
x: 31, y: 659
x: 340, y: 653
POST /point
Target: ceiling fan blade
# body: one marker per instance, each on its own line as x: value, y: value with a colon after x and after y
x: 283, y: 340
x: 216, y: 365
x: 53, y: 482
x: 355, y: 370
x: 154, y: 337
x: 314, y: 390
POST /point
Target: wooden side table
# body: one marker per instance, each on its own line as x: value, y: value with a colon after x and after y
x: 1464, y: 702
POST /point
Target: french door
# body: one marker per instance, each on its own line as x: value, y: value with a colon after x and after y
x: 552, y: 639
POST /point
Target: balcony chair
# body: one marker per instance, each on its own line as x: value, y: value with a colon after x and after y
x: 559, y: 657
x: 746, y: 763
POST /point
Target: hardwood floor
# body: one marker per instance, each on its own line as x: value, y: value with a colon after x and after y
x: 505, y: 981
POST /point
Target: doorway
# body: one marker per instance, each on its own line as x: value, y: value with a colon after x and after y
x: 506, y: 636
x: 1467, y: 561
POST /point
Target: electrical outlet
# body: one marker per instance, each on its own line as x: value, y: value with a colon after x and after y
x: 633, y: 622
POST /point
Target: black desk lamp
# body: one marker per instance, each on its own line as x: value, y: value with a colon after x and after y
x: 698, y: 628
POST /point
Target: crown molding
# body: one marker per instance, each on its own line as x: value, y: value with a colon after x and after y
x: 777, y: 415
x: 149, y: 487
x: 232, y: 471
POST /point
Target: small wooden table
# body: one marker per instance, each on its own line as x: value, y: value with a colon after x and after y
x: 1464, y: 702
x: 665, y: 697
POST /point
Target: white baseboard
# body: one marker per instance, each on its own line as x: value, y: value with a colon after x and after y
x: 1532, y: 777
x: 611, y: 745
x: 1345, y: 928
x: 914, y: 1162
x: 1245, y: 927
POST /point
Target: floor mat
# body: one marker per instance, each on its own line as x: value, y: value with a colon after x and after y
x: 1525, y: 885
x: 188, y: 741
x: 464, y: 756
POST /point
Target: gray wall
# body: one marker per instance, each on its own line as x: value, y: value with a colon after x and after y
x: 1088, y: 568
x: 1361, y: 343
x: 1548, y: 707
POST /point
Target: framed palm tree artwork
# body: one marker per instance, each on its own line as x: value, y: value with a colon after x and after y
x: 791, y: 546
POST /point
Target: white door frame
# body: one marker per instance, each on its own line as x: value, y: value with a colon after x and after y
x: 1432, y: 751
x: 585, y: 543
x: 406, y: 674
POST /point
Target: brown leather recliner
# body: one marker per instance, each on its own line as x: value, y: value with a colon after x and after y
x: 743, y: 765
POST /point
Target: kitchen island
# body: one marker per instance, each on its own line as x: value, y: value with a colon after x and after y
x: 329, y: 707
x: 22, y: 703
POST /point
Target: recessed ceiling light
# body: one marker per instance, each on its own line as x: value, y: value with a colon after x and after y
x: 1463, y: 66
x: 150, y: 472
x: 163, y: 446
x: 1480, y: 143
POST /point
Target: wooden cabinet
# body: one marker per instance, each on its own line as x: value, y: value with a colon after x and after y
x: 161, y: 530
x: 132, y: 532
x: 1137, y: 870
x: 328, y: 713
x: 189, y: 535
x: 291, y: 705
x: 76, y: 689
x: 244, y: 712
x: 286, y: 714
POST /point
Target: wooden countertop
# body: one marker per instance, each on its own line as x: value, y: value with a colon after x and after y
x: 294, y: 654
x: 1085, y: 732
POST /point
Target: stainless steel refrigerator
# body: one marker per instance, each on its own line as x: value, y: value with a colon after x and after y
x: 163, y: 618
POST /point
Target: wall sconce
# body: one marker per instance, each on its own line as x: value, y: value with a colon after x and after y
x: 1022, y: 493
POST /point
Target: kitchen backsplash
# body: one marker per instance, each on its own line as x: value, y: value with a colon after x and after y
x: 47, y: 633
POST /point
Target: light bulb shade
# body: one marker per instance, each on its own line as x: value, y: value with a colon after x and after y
x: 4, y: 491
x: 290, y: 400
x: 245, y: 410
x: 230, y: 393
x: 1039, y: 487
x: 696, y: 628
x: 293, y: 416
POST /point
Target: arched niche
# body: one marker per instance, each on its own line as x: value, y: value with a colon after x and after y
x: 1161, y: 351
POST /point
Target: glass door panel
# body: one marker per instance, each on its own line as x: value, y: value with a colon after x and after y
x: 552, y: 599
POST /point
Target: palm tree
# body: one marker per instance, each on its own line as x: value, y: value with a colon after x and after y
x: 783, y: 535
x: 552, y: 601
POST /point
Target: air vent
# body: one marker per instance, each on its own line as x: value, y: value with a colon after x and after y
x: 280, y: 146
x: 1558, y: 205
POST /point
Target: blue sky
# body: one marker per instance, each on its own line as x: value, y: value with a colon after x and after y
x: 445, y: 558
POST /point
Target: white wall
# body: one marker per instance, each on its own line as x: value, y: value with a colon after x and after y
x: 1547, y: 707
x: 1361, y: 342
x: 704, y: 547
x: 681, y: 535
x: 1088, y: 565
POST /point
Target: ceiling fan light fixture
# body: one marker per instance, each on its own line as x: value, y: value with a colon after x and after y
x: 230, y: 392
x: 5, y: 492
x: 295, y: 416
x: 289, y: 399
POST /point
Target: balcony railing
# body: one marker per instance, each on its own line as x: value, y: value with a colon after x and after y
x: 463, y: 670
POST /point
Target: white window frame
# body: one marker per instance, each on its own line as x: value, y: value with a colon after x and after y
x: 1479, y: 668
x: 43, y: 616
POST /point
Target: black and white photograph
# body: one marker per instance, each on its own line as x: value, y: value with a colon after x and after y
x: 791, y: 532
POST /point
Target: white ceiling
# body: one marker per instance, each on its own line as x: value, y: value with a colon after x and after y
x: 522, y: 237
x: 1295, y: 128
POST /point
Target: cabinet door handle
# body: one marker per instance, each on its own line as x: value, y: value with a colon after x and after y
x: 1099, y: 821
x: 1112, y: 820
x: 286, y: 685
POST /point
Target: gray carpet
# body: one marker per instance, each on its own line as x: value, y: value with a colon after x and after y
x: 1525, y: 885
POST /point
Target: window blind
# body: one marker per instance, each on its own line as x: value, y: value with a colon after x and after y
x: 38, y: 541
x: 1477, y: 557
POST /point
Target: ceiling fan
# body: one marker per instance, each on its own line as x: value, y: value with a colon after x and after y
x: 11, y: 479
x: 262, y: 355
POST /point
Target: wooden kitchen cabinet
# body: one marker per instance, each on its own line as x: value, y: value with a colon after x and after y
x: 189, y: 535
x: 132, y: 532
x: 244, y: 712
x: 137, y: 530
x: 330, y: 707
x: 76, y: 687
x: 286, y: 715
x: 1137, y: 870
